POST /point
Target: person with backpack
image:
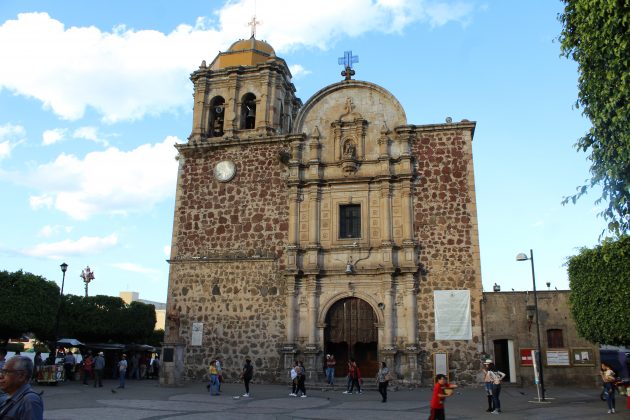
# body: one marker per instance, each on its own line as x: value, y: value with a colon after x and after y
x: 247, y: 375
x: 301, y: 379
x: 609, y: 378
x: 496, y: 376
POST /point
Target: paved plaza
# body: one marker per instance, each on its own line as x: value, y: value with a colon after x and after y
x: 146, y: 400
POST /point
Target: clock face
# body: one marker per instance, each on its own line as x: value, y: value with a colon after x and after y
x: 224, y: 171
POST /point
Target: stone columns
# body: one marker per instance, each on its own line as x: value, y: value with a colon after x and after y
x: 291, y: 309
x: 388, y: 312
x: 311, y: 296
x: 411, y: 308
x: 314, y: 199
x: 294, y: 215
x: 201, y: 86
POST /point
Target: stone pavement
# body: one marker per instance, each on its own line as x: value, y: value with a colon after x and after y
x: 146, y: 400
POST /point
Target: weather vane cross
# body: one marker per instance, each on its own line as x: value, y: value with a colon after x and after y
x: 347, y: 61
x: 253, y: 24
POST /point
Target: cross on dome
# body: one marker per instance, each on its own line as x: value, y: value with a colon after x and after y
x: 347, y: 61
x: 253, y: 24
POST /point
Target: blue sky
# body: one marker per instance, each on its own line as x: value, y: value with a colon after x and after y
x: 93, y: 96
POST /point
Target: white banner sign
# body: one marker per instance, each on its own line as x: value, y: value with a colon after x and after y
x: 197, y: 333
x: 452, y: 315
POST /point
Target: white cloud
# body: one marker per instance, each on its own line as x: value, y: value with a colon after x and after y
x: 49, y: 230
x: 86, y: 245
x: 298, y: 71
x: 135, y: 268
x: 53, y: 136
x: 10, y: 136
x: 89, y: 133
x: 125, y: 74
x: 41, y: 201
x: 106, y: 182
x: 167, y: 250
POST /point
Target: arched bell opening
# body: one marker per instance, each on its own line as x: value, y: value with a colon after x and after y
x: 248, y: 112
x: 217, y: 116
x: 351, y: 333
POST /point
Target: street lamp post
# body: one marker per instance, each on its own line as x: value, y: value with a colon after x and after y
x: 87, y: 275
x: 524, y: 257
x: 64, y: 268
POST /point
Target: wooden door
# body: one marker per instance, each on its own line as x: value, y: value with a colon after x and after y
x: 351, y: 333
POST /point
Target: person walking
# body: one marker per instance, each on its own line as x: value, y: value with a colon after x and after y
x: 68, y: 364
x: 496, y: 376
x: 301, y: 380
x: 247, y: 374
x: 38, y: 362
x: 294, y: 374
x: 487, y: 382
x: 88, y: 365
x: 348, y: 377
x: 437, y: 398
x: 99, y: 367
x: 330, y: 369
x: 213, y: 386
x: 609, y: 378
x: 219, y: 372
x: 354, y: 374
x: 383, y: 377
x: 122, y: 371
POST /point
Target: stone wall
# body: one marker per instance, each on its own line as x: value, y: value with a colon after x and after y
x: 445, y: 224
x: 228, y: 244
x: 241, y: 305
x: 243, y: 216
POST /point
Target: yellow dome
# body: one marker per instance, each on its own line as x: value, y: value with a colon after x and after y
x: 245, y: 52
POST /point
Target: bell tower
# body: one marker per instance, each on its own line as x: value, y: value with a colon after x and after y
x: 245, y: 92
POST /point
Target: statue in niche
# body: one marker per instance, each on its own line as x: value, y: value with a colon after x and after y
x: 349, y: 150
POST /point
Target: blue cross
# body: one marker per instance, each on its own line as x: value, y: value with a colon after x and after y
x: 348, y: 59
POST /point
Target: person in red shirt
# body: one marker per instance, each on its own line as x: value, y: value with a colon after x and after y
x: 437, y: 399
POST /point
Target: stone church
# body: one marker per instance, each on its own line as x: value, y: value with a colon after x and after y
x: 330, y: 226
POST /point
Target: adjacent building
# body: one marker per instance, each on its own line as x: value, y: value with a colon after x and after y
x: 509, y: 330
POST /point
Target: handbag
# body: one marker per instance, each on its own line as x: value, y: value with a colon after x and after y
x: 388, y: 377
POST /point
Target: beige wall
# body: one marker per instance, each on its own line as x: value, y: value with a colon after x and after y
x: 505, y: 318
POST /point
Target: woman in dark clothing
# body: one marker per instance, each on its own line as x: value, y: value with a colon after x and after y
x: 247, y: 375
x: 301, y: 380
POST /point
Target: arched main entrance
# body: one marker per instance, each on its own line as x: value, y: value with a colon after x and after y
x: 351, y: 333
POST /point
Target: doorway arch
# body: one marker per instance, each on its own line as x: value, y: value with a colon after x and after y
x: 351, y: 332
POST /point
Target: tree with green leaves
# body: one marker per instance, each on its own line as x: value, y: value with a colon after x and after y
x: 595, y: 35
x: 107, y: 318
x: 28, y: 304
x: 600, y: 292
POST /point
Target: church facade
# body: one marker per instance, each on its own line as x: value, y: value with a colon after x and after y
x: 324, y: 227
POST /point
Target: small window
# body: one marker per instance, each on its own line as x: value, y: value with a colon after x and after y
x: 350, y: 221
x: 554, y: 338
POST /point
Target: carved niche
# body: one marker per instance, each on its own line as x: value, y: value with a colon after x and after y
x: 348, y: 133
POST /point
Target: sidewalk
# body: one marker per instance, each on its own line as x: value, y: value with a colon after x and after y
x: 146, y: 400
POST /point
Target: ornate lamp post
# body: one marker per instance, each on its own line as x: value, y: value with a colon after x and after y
x: 524, y: 257
x: 87, y: 275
